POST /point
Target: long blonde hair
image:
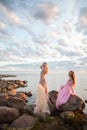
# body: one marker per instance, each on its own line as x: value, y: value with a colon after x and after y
x: 45, y: 67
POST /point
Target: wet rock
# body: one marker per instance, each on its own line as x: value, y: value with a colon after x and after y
x: 29, y: 94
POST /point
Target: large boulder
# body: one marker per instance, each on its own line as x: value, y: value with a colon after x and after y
x: 52, y: 100
x: 16, y: 103
x: 3, y: 99
x: 8, y: 114
x: 24, y: 121
x: 74, y: 119
x: 21, y: 95
x: 74, y: 103
x: 12, y: 92
x: 29, y: 108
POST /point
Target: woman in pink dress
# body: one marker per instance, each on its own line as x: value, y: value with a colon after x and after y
x: 66, y: 90
x: 42, y: 92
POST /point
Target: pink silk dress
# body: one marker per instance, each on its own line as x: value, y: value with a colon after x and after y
x: 64, y: 93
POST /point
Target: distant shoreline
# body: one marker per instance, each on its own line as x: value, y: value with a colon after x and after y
x: 6, y: 75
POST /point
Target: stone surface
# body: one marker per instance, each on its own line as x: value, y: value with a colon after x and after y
x: 3, y: 99
x: 24, y: 121
x: 21, y: 96
x: 52, y: 100
x: 16, y: 103
x: 8, y: 114
x: 74, y: 103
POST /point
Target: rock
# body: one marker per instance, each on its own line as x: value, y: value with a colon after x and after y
x: 21, y: 95
x: 4, y: 126
x: 3, y: 84
x: 75, y: 119
x: 29, y: 94
x: 52, y: 100
x: 6, y: 85
x: 67, y: 115
x: 8, y: 114
x: 74, y: 103
x: 29, y: 109
x: 15, y: 86
x: 85, y: 127
x: 24, y: 121
x: 12, y: 92
x: 9, y: 87
x: 85, y: 101
x: 3, y: 99
x: 16, y: 103
x: 21, y: 83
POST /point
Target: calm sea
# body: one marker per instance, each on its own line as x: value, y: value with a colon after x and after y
x: 54, y: 80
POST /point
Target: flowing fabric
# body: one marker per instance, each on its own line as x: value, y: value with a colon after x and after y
x: 64, y: 93
x: 41, y: 101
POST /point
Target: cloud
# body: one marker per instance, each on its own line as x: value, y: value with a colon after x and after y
x: 4, y: 36
x: 46, y: 12
x: 11, y: 17
x: 9, y: 4
x: 64, y: 42
x: 83, y: 59
x: 82, y: 20
x: 70, y: 52
x: 2, y: 26
x: 84, y: 45
x: 83, y: 17
x: 41, y: 39
x: 54, y: 34
x: 67, y: 26
x: 84, y: 41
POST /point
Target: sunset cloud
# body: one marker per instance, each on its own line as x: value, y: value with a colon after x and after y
x: 46, y: 12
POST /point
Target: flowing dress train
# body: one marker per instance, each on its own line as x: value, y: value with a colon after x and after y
x: 41, y: 101
x: 64, y: 93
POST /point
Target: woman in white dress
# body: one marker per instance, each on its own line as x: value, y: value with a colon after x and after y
x: 42, y: 92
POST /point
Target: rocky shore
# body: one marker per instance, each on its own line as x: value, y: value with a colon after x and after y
x: 15, y: 114
x: 6, y: 75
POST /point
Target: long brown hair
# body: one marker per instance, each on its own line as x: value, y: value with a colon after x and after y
x: 72, y: 76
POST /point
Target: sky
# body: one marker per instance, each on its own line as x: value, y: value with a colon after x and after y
x: 36, y: 31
